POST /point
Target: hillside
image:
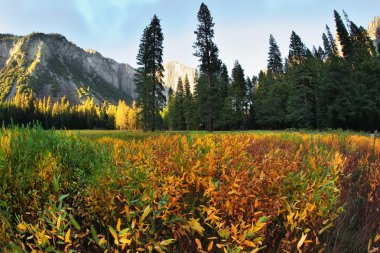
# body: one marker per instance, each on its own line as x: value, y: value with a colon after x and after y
x: 50, y: 65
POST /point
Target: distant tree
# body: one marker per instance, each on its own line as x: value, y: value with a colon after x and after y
x: 148, y: 78
x: 343, y: 35
x: 362, y: 45
x: 274, y: 56
x: 300, y: 78
x: 207, y: 52
x: 121, y: 118
x: 225, y: 118
x: 297, y: 50
x: 170, y: 121
x: 239, y: 94
x: 179, y: 115
x: 188, y: 105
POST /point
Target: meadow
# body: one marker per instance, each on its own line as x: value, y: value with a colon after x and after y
x: 117, y: 191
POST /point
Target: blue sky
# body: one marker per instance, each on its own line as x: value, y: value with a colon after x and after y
x: 242, y: 27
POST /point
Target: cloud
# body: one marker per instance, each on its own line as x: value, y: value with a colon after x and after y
x: 107, y: 16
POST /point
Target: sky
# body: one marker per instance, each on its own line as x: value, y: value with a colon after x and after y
x: 242, y: 27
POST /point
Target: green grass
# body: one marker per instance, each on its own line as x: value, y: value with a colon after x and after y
x: 139, y: 135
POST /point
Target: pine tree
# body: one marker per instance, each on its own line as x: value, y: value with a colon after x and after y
x: 274, y: 59
x: 179, y: 115
x: 297, y: 50
x: 170, y: 113
x: 300, y: 77
x: 188, y: 105
x: 327, y: 46
x: 148, y: 78
x: 343, y: 35
x: 207, y: 52
x: 331, y: 40
x: 363, y: 48
x: 225, y: 117
x: 239, y: 94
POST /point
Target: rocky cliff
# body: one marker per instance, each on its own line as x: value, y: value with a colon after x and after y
x: 374, y: 31
x: 50, y: 65
x: 175, y: 70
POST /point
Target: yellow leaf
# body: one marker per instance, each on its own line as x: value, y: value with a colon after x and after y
x: 377, y: 238
x: 126, y: 241
x: 67, y: 236
x: 118, y: 225
x: 102, y: 241
x: 300, y: 243
x: 22, y: 226
x: 133, y: 223
x: 194, y: 224
x: 209, y: 247
x: 158, y: 248
x: 145, y: 213
x: 59, y: 222
x: 220, y: 245
x: 167, y: 242
x: 199, y: 244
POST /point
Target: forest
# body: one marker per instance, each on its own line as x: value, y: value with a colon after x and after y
x: 334, y: 86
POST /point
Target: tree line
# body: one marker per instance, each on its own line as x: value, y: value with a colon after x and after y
x: 23, y: 109
x: 334, y: 86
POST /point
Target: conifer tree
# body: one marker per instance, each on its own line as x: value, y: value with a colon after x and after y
x: 179, y: 115
x: 188, y: 105
x: 297, y: 50
x: 170, y: 113
x: 274, y: 59
x: 343, y: 35
x: 207, y: 52
x: 148, y: 78
x: 239, y: 94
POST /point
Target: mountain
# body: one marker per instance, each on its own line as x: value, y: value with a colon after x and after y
x: 50, y: 65
x: 374, y: 31
x: 175, y: 70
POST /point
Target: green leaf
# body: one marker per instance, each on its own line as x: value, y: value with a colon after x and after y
x: 74, y: 222
x: 263, y: 219
x: 16, y: 248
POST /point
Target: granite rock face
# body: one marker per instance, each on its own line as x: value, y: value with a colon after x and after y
x: 54, y: 66
x: 374, y: 32
x: 50, y: 65
x: 175, y: 70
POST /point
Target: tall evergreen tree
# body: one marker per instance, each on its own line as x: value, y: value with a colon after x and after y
x: 188, y: 105
x: 148, y: 78
x: 300, y: 102
x: 207, y: 52
x: 327, y: 46
x: 179, y: 115
x: 170, y: 113
x: 239, y: 94
x: 343, y: 35
x: 331, y: 40
x: 225, y: 118
x: 297, y: 50
x: 274, y: 59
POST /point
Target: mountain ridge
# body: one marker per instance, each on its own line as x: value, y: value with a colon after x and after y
x: 51, y: 65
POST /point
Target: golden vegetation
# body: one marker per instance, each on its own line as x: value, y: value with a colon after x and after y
x: 189, y: 193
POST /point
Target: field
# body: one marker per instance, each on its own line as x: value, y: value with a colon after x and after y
x: 95, y: 191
